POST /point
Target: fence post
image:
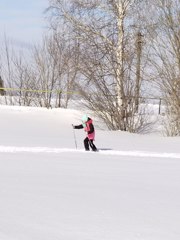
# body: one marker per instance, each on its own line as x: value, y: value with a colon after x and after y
x: 160, y: 105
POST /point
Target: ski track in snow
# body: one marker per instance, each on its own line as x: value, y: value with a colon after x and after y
x: 14, y: 149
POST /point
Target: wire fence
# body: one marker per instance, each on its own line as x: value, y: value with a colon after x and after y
x: 33, y: 97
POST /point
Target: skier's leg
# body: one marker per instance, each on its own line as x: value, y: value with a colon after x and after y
x: 86, y: 144
x: 92, y: 145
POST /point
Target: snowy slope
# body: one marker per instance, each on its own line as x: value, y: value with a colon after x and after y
x: 51, y: 191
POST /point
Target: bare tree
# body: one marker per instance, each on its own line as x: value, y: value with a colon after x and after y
x: 16, y: 74
x: 166, y: 60
x: 46, y: 71
x: 2, y: 91
x: 107, y: 77
x: 67, y: 49
x: 55, y: 69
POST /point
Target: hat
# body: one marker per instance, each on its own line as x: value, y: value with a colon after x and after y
x: 84, y: 118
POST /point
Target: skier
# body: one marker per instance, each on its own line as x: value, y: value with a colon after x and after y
x: 88, y: 126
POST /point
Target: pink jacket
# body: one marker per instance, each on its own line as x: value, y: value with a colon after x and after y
x: 88, y: 128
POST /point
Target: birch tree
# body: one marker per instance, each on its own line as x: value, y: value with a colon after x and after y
x: 100, y: 28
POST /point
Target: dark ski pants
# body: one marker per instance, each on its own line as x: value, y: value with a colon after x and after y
x: 87, y: 143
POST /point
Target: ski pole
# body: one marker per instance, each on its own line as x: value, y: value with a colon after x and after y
x: 74, y: 136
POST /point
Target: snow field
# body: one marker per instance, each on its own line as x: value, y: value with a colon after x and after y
x: 51, y: 191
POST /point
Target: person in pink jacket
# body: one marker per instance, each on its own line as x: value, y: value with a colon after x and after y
x: 87, y: 124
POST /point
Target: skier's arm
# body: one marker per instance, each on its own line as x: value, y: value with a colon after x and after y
x: 78, y: 126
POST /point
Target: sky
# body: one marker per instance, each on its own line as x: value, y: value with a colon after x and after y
x: 22, y: 21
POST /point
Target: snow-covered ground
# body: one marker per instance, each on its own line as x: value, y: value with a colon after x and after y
x: 129, y: 190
